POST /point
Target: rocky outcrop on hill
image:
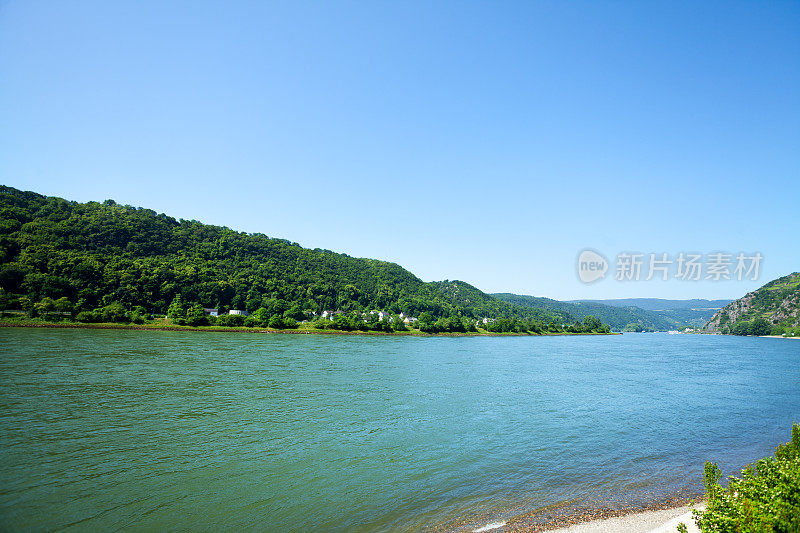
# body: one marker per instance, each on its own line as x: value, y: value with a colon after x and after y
x: 777, y: 302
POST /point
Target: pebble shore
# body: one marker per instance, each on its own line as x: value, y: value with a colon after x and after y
x: 563, y: 518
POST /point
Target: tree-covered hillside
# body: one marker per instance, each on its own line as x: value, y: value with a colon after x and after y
x: 771, y: 309
x: 94, y: 254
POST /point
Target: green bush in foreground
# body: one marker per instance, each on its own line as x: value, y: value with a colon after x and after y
x: 765, y: 499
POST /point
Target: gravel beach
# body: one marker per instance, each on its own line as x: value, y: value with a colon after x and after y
x: 662, y: 521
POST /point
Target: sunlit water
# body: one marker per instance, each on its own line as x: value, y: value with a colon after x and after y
x: 104, y: 430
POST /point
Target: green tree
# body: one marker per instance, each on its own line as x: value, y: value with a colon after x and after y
x: 398, y: 324
x: 741, y: 328
x: 295, y: 312
x: 760, y: 327
x: 25, y: 304
x: 195, y: 316
x: 63, y: 305
x: 591, y: 323
x: 88, y: 316
x: 765, y: 499
x: 261, y: 317
x: 175, y: 309
x: 231, y: 320
x: 114, y: 312
x: 45, y: 306
x: 426, y: 318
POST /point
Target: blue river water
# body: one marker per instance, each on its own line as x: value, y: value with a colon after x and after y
x: 151, y: 430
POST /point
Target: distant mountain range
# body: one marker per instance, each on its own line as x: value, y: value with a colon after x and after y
x: 771, y: 309
x: 628, y: 314
x: 660, y: 304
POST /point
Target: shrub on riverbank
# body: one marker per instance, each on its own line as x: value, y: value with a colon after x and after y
x: 765, y: 499
x: 112, y: 313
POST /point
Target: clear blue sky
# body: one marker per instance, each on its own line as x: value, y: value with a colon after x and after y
x: 483, y: 141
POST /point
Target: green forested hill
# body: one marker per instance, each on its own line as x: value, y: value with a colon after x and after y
x: 94, y: 254
x: 772, y: 309
x: 465, y: 294
x: 618, y: 318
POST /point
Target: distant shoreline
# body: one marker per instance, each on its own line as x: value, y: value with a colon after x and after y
x: 222, y: 329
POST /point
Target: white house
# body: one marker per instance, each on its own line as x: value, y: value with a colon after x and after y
x: 237, y: 312
x: 330, y: 314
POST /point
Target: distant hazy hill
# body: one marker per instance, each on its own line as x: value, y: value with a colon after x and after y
x: 632, y: 314
x: 659, y: 304
x: 618, y: 317
x: 773, y: 308
x: 680, y: 313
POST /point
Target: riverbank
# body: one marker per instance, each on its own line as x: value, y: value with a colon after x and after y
x: 623, y: 520
x: 627, y: 514
x: 656, y: 521
x: 659, y: 519
x: 33, y: 323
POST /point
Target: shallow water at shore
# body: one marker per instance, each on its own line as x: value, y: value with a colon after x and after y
x: 166, y: 430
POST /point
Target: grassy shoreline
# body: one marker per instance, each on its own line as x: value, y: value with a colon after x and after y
x: 34, y: 323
